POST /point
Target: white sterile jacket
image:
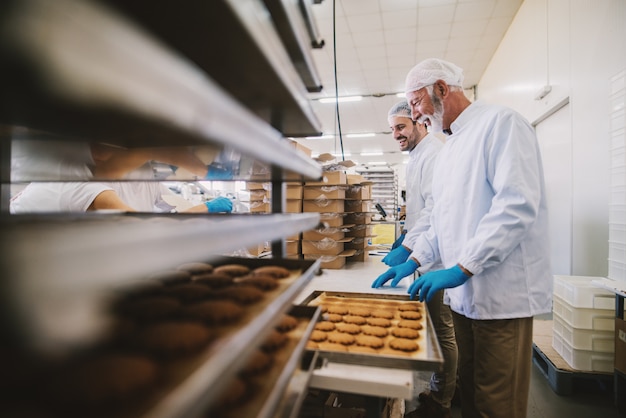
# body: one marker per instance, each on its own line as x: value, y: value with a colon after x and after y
x: 490, y: 216
x: 419, y: 179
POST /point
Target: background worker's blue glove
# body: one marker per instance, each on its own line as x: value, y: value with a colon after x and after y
x: 396, y: 273
x: 397, y: 256
x: 398, y: 241
x: 218, y: 173
x: 219, y: 204
x: 430, y: 283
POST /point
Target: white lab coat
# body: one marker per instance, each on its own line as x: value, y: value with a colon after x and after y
x: 490, y: 216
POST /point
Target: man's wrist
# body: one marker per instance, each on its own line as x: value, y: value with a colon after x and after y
x: 465, y: 271
x: 416, y: 261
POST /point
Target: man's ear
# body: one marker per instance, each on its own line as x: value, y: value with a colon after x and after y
x: 441, y: 87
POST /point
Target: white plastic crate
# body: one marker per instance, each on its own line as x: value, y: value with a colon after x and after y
x: 584, y: 339
x: 617, y: 233
x: 582, y: 359
x: 584, y: 318
x: 617, y: 270
x: 579, y: 292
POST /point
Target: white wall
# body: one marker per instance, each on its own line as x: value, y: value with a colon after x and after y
x: 576, y: 47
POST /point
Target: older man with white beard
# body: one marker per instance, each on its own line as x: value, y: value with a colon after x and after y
x: 489, y: 228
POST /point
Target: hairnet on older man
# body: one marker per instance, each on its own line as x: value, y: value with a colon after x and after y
x: 400, y: 109
x: 429, y: 71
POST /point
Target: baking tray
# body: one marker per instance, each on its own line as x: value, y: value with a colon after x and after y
x: 428, y: 357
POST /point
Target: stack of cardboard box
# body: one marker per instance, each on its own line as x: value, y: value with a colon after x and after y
x: 359, y: 209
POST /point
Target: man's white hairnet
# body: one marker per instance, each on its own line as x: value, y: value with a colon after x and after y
x: 401, y: 109
x: 429, y: 71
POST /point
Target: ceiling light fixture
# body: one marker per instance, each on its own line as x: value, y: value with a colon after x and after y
x: 363, y: 135
x: 325, y: 136
x: 341, y: 99
x: 403, y: 95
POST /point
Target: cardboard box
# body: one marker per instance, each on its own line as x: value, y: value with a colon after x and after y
x: 324, y: 192
x: 358, y: 218
x: 257, y: 195
x: 260, y: 207
x: 329, y: 178
x: 331, y: 262
x: 357, y: 179
x: 294, y: 191
x: 293, y: 206
x: 320, y: 234
x: 292, y: 248
x: 360, y: 256
x: 323, y: 205
x: 620, y: 345
x: 359, y: 192
x: 361, y: 231
x: 359, y: 206
x: 307, y: 151
x: 325, y: 247
x: 332, y: 219
x: 257, y: 186
x: 359, y: 243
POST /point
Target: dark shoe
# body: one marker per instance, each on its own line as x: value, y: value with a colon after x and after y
x: 428, y: 408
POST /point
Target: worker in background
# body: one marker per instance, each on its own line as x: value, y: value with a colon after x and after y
x: 489, y: 227
x: 423, y: 150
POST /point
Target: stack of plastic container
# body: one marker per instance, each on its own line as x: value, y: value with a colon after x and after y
x: 583, y: 324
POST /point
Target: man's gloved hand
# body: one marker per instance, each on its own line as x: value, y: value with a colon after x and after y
x: 398, y: 242
x: 218, y: 173
x: 396, y: 273
x: 430, y: 283
x: 219, y: 204
x: 397, y: 256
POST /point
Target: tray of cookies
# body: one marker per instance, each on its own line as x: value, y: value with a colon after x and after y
x: 381, y: 330
x: 175, y: 340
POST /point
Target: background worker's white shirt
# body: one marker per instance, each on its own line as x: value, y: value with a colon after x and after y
x: 490, y: 216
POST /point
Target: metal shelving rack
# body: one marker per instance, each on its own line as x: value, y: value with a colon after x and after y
x: 384, y: 186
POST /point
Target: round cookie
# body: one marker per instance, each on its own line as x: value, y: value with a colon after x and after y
x: 407, y: 323
x: 409, y: 306
x: 196, y: 268
x: 375, y: 331
x: 235, y: 392
x: 348, y: 328
x: 233, y: 270
x: 354, y: 319
x: 318, y: 336
x: 410, y: 315
x: 245, y: 295
x: 357, y: 311
x: 217, y: 312
x: 150, y: 308
x: 403, y: 344
x: 369, y: 341
x: 337, y: 310
x: 274, y: 341
x: 329, y: 346
x: 286, y: 323
x: 333, y: 317
x: 173, y: 337
x: 325, y: 326
x: 276, y: 272
x: 189, y: 292
x: 382, y: 313
x: 361, y: 349
x: 340, y: 338
x: 379, y: 322
x: 265, y: 283
x: 213, y: 280
x: 256, y: 364
x: 169, y: 277
x: 405, y: 333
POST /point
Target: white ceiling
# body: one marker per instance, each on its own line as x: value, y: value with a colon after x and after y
x: 377, y: 43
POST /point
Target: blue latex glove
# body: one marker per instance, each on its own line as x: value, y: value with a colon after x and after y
x: 430, y: 283
x: 396, y: 273
x: 218, y: 173
x: 397, y: 256
x: 398, y: 242
x: 219, y: 204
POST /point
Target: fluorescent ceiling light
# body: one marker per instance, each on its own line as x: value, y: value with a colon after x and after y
x: 364, y: 135
x: 341, y: 99
x: 403, y: 95
x: 371, y: 154
x: 338, y: 154
x: 405, y: 152
x: 325, y: 136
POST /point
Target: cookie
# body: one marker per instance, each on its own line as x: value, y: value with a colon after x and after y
x: 103, y: 378
x: 340, y: 338
x: 375, y: 331
x: 189, y: 292
x: 150, y: 308
x: 329, y: 346
x: 337, y: 309
x: 407, y: 323
x: 286, y: 323
x: 173, y: 337
x: 312, y: 345
x: 265, y: 283
x: 234, y: 393
x: 196, y: 268
x: 169, y: 277
x: 213, y: 280
x: 276, y: 272
x: 348, y: 328
x: 215, y: 312
x: 354, y: 319
x: 318, y: 336
x: 369, y: 341
x: 333, y: 317
x: 325, y: 326
x: 357, y: 311
x: 409, y: 306
x: 244, y: 295
x: 233, y: 270
x: 405, y: 333
x: 274, y: 341
x: 378, y: 322
x: 410, y: 315
x: 361, y: 349
x: 257, y: 363
x: 403, y: 344
x: 382, y: 313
